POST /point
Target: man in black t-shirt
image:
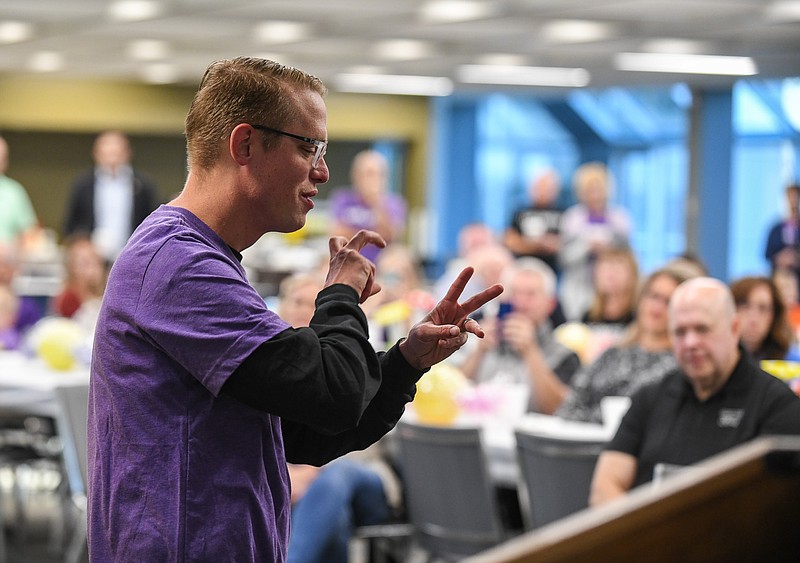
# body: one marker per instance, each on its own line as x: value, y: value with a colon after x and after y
x: 716, y: 400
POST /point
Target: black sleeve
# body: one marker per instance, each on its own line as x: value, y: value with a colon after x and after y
x: 326, y: 380
x: 305, y: 445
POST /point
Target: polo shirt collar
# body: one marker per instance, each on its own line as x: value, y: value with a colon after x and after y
x: 737, y: 383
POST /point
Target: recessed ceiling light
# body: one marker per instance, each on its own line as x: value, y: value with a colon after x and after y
x: 501, y: 59
x: 447, y: 11
x: 46, y: 61
x: 682, y: 46
x: 575, y: 31
x: 788, y: 11
x: 524, y: 75
x: 15, y: 31
x: 148, y: 49
x: 366, y: 69
x: 686, y: 64
x: 273, y: 32
x: 160, y: 73
x: 402, y: 49
x: 134, y: 10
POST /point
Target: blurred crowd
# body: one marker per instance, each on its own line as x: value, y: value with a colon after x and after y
x: 578, y: 321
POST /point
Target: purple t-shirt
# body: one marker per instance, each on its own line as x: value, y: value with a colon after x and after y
x: 178, y: 472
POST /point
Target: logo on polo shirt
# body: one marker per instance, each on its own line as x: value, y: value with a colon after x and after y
x: 730, y: 418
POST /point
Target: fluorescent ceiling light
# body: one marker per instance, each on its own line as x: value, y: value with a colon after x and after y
x: 134, y: 10
x: 274, y: 32
x: 686, y: 64
x: 46, y: 61
x: 148, y: 49
x: 524, y: 75
x: 575, y: 31
x: 15, y: 31
x: 448, y: 11
x: 394, y: 84
x: 402, y: 49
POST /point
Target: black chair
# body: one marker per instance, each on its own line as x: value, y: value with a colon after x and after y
x: 450, y: 499
x: 556, y: 475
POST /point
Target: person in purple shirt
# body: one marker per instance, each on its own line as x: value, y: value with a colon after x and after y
x: 368, y: 204
x: 199, y: 395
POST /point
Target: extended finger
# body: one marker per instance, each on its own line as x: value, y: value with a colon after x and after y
x: 363, y: 237
x: 480, y: 299
x: 458, y: 285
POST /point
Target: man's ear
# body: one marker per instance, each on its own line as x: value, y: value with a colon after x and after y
x: 241, y: 144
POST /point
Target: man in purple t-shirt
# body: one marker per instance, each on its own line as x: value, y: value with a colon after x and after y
x: 199, y: 394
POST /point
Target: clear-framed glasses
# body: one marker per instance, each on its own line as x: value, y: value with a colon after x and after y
x: 321, y: 146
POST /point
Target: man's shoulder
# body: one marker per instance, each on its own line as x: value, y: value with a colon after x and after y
x: 671, y: 385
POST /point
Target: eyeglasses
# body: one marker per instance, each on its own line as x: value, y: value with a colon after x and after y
x: 321, y: 146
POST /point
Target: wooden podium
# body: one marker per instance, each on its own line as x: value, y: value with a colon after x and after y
x: 742, y: 505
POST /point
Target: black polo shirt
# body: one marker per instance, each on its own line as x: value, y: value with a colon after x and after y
x: 666, y: 423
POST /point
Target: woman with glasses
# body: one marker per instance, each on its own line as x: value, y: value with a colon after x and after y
x: 642, y: 356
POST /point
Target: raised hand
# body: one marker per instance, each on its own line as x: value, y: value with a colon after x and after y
x: 445, y: 329
x: 349, y: 267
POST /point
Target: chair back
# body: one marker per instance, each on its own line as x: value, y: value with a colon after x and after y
x: 73, y: 402
x: 451, y: 501
x: 556, y: 475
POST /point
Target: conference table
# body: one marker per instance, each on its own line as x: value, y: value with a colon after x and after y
x: 498, y: 427
x: 28, y: 383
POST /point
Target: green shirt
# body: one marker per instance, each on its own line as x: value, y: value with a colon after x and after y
x: 16, y: 211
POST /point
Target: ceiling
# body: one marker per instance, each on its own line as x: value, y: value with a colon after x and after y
x: 177, y: 39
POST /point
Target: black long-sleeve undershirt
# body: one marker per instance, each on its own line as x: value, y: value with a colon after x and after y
x: 334, y: 394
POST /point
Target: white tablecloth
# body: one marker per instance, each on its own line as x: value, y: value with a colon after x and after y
x: 28, y: 383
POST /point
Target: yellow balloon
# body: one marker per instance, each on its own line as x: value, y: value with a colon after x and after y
x: 436, y: 401
x: 56, y: 341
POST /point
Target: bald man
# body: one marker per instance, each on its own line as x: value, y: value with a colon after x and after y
x: 717, y: 398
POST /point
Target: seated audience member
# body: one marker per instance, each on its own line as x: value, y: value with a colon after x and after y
x: 717, y: 399
x: 535, y: 228
x: 358, y: 489
x: 519, y: 347
x: 688, y: 263
x: 766, y: 333
x: 403, y: 299
x: 30, y: 310
x: 789, y: 288
x: 9, y: 307
x: 85, y: 278
x: 490, y: 261
x: 641, y: 357
x: 616, y: 279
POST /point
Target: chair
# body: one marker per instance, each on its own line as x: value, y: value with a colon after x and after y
x: 556, y: 475
x: 450, y: 499
x: 73, y: 402
x: 382, y: 543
